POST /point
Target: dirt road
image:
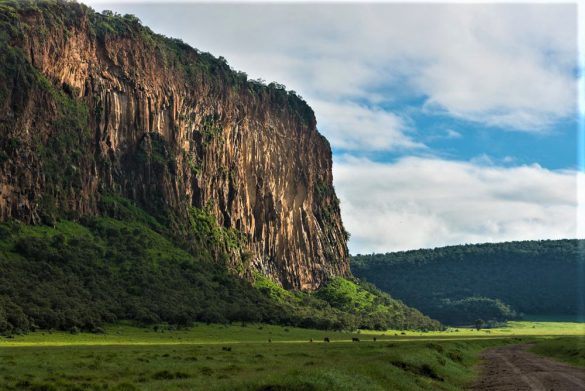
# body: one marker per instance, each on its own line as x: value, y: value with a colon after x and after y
x: 513, y: 368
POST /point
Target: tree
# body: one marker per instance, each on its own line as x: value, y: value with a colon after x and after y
x: 479, y: 324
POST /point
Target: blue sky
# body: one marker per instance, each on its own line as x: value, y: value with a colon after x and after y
x: 449, y: 123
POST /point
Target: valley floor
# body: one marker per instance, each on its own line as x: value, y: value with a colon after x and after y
x: 255, y: 357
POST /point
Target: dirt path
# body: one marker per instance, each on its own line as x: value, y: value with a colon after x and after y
x: 513, y: 368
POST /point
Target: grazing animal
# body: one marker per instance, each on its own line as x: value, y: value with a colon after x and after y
x: 269, y: 340
x: 311, y: 340
x: 326, y: 339
x: 227, y: 348
x: 375, y: 339
x: 354, y: 339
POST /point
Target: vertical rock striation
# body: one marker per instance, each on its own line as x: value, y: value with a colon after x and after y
x: 96, y: 104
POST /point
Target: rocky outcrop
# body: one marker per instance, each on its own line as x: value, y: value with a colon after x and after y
x: 95, y: 104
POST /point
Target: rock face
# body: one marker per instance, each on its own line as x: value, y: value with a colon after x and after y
x: 94, y: 104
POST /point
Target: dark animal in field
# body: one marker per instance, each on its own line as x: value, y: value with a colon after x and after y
x: 311, y: 340
x: 375, y: 339
x: 355, y: 339
x: 269, y: 340
x: 326, y: 339
x: 227, y: 348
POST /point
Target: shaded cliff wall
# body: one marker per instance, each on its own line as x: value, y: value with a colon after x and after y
x: 97, y: 104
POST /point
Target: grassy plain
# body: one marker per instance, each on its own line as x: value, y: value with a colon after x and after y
x: 242, y: 358
x: 570, y: 350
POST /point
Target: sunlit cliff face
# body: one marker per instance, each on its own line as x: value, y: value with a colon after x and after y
x: 169, y: 128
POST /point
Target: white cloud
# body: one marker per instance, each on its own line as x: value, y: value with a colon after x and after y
x: 425, y: 202
x: 353, y: 127
x: 498, y: 65
x: 450, y: 133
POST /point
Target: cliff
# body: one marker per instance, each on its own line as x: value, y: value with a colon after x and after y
x: 96, y: 105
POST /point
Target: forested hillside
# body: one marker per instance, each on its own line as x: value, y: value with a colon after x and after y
x: 122, y: 266
x: 460, y: 284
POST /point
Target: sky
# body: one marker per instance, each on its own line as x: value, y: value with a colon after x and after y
x: 449, y: 123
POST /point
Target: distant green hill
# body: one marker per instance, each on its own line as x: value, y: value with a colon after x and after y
x: 460, y: 284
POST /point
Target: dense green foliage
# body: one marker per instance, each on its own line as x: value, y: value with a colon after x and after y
x: 459, y: 284
x: 102, y: 269
x: 472, y: 309
x: 345, y: 304
x: 376, y: 309
x: 83, y: 275
x: 217, y: 357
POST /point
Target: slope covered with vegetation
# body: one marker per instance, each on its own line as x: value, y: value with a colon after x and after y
x: 460, y: 284
x: 122, y: 266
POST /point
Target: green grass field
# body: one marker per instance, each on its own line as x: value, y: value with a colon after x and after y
x: 236, y: 357
x: 124, y: 334
x: 570, y: 350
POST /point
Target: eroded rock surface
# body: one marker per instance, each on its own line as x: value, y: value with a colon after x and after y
x: 168, y: 127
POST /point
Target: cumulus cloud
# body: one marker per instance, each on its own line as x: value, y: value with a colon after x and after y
x: 494, y: 69
x: 355, y: 127
x: 427, y: 202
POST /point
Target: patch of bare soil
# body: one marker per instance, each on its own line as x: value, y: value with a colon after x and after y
x: 513, y: 368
